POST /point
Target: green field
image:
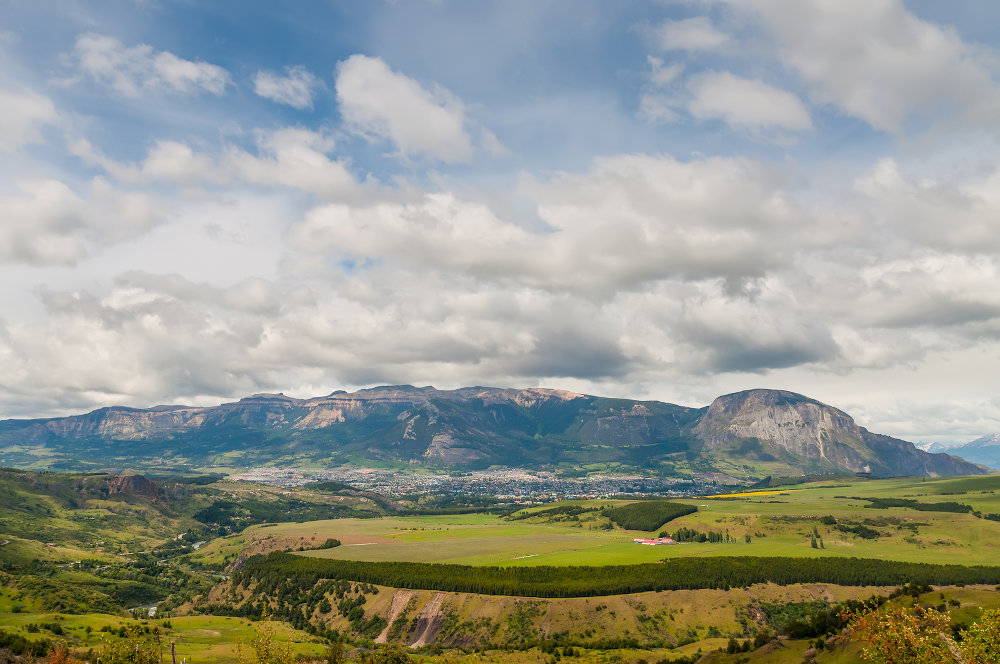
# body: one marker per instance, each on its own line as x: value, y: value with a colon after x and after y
x: 617, y: 628
x: 778, y: 522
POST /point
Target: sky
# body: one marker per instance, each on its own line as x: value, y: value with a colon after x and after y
x: 664, y: 200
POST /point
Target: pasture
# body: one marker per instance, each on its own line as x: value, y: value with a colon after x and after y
x: 782, y: 522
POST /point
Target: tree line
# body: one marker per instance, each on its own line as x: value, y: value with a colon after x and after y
x: 909, y: 503
x: 266, y: 574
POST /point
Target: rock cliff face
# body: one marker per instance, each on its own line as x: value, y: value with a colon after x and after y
x: 476, y: 427
x: 132, y: 485
x: 784, y: 419
x: 781, y: 421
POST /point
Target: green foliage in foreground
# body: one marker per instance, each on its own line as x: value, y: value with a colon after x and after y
x: 20, y: 646
x: 647, y: 515
x: 925, y: 636
x: 284, y: 569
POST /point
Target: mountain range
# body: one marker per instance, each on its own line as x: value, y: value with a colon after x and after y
x: 748, y: 434
x: 984, y: 450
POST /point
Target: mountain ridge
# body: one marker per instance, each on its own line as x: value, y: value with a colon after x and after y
x: 749, y: 433
x: 984, y: 450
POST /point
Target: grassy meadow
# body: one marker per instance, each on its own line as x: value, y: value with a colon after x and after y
x: 779, y: 522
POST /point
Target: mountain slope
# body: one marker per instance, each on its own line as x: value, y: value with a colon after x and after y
x: 769, y: 425
x: 984, y: 450
x: 750, y: 433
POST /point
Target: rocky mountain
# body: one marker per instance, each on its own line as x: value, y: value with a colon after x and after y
x: 747, y: 434
x: 984, y: 450
x: 772, y: 424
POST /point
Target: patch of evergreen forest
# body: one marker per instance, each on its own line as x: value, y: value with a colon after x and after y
x: 266, y: 574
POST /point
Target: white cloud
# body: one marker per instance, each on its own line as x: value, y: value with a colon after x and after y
x: 649, y: 270
x: 691, y: 34
x: 49, y: 224
x: 956, y: 216
x: 295, y: 89
x: 385, y: 105
x: 933, y: 291
x: 721, y: 334
x: 492, y: 144
x: 289, y: 158
x: 41, y: 226
x: 24, y: 114
x: 166, y: 161
x: 213, y: 259
x: 660, y: 73
x: 131, y: 71
x: 658, y: 108
x: 746, y: 103
x: 629, y: 220
x: 296, y: 159
x: 879, y: 62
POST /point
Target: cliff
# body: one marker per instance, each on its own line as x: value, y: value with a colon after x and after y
x: 785, y: 422
x: 752, y: 432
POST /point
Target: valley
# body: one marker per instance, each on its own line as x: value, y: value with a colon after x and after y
x: 77, y: 556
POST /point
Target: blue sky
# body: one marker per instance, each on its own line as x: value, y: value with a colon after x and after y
x: 666, y: 200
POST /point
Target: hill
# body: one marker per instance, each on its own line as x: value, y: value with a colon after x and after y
x: 747, y: 434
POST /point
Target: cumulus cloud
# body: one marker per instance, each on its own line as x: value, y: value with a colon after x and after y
x: 628, y: 220
x: 933, y: 212
x: 726, y: 334
x: 133, y: 70
x: 746, y: 103
x: 296, y: 159
x: 295, y: 89
x: 154, y: 338
x: 288, y: 157
x: 647, y: 269
x: 227, y: 254
x: 382, y: 104
x: 50, y: 224
x: 691, y: 34
x: 937, y: 291
x: 879, y: 62
x: 41, y: 225
x: 24, y: 114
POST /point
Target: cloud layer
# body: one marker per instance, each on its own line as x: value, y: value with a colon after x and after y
x: 729, y: 194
